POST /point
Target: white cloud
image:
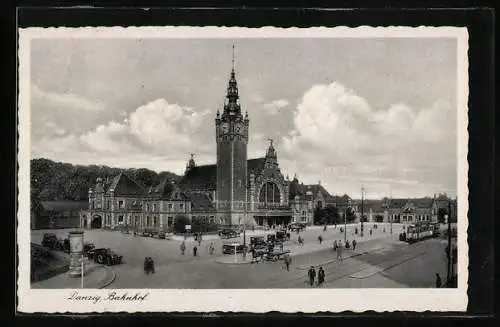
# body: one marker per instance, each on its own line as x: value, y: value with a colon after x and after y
x: 66, y: 101
x: 340, y: 139
x: 275, y: 106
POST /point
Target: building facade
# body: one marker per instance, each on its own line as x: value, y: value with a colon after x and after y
x: 233, y: 191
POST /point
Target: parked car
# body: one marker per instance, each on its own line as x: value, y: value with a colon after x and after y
x: 162, y: 235
x: 63, y: 245
x: 296, y: 227
x: 230, y: 248
x: 147, y: 232
x: 49, y: 240
x: 228, y: 233
x: 88, y: 247
x: 282, y: 235
x: 104, y: 256
x: 258, y: 242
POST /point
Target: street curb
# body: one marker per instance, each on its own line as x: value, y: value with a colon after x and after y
x: 112, y: 279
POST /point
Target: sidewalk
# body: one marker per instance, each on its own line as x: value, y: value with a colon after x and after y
x: 96, y: 276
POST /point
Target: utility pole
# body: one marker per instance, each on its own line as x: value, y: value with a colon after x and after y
x: 389, y: 212
x: 362, y: 209
x: 345, y: 225
x: 448, y: 277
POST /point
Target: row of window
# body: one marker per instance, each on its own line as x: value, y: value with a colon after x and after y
x: 121, y: 205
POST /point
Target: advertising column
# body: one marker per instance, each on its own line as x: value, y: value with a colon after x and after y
x: 76, y: 253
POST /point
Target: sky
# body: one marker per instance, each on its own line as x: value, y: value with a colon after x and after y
x: 348, y: 113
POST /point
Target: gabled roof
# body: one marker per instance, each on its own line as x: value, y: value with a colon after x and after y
x: 318, y: 188
x: 168, y: 190
x: 201, y: 202
x: 124, y: 185
x: 205, y: 177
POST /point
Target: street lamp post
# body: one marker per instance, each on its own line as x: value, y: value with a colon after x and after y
x: 345, y: 225
x: 450, y: 252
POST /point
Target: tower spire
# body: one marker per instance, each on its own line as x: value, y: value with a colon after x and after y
x: 233, y: 56
x: 232, y: 106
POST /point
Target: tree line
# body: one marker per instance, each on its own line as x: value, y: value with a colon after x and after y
x: 53, y: 181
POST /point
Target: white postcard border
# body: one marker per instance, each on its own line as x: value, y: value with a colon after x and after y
x: 248, y: 300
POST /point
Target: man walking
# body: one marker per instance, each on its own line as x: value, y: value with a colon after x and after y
x: 320, y: 238
x: 211, y: 248
x: 353, y: 245
x: 339, y: 251
x: 438, y: 281
x: 195, y: 249
x: 312, y: 275
x: 288, y: 260
x: 183, y: 247
x: 321, y: 276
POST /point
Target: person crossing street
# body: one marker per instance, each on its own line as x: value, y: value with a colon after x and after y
x: 312, y: 275
x: 183, y: 247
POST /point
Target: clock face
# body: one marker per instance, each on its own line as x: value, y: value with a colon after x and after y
x: 238, y: 129
x: 225, y: 127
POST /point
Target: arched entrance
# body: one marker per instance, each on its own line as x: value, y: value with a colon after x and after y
x: 96, y: 222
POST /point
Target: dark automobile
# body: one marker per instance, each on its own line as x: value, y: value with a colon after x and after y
x: 232, y: 247
x: 271, y: 238
x: 296, y: 227
x: 147, y: 232
x: 282, y: 235
x: 104, y: 256
x: 161, y: 235
x: 258, y: 242
x: 228, y: 233
x: 88, y: 247
x: 49, y: 240
x: 62, y: 245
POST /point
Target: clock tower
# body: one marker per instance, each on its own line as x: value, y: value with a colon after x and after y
x: 231, y: 129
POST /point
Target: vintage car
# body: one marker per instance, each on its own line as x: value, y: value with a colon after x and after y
x: 228, y: 233
x: 282, y: 235
x: 49, y: 240
x: 161, y: 235
x: 258, y: 242
x: 230, y: 248
x: 104, y: 256
x: 62, y: 245
x: 294, y: 227
x: 148, y: 232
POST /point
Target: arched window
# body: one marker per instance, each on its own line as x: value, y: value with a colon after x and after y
x: 269, y: 194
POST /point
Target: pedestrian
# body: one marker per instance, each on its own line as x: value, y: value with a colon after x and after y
x: 320, y: 238
x: 347, y: 244
x: 195, y: 249
x: 339, y: 251
x: 353, y: 245
x: 438, y: 281
x: 199, y: 240
x: 300, y: 241
x: 371, y: 232
x: 211, y: 248
x: 335, y: 245
x: 281, y: 246
x: 312, y: 274
x: 183, y: 247
x: 321, y: 276
x: 288, y: 260
x: 324, y: 228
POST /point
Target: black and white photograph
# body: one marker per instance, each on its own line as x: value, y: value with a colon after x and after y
x: 212, y: 163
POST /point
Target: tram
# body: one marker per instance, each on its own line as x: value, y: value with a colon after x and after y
x: 422, y: 230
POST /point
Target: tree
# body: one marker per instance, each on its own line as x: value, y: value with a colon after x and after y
x: 180, y: 223
x: 319, y: 216
x: 350, y: 215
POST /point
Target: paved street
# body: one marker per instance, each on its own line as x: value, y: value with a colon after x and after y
x: 380, y: 260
